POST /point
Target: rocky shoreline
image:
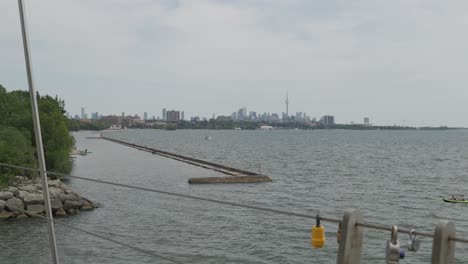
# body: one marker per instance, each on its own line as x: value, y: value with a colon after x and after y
x: 27, y: 195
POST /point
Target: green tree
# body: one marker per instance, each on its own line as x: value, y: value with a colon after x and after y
x: 17, y: 139
x: 15, y: 149
x: 57, y: 140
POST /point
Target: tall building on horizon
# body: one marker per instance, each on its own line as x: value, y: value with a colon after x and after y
x: 287, y: 104
x: 234, y: 116
x: 253, y: 115
x: 164, y: 114
x: 242, y: 113
x: 299, y: 116
x: 327, y: 120
x: 366, y: 121
x: 82, y: 113
x: 172, y: 116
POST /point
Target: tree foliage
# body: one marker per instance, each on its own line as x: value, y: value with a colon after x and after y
x: 95, y: 125
x: 15, y: 148
x: 17, y: 141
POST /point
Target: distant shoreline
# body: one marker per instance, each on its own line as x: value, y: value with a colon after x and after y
x: 244, y: 125
x: 337, y: 127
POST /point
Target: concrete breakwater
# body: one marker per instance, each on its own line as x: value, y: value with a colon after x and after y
x: 26, y: 195
x: 237, y: 175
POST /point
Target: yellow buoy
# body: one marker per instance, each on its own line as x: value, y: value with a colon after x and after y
x: 318, y: 234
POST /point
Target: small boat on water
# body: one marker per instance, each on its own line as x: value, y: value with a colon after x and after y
x: 266, y: 128
x: 455, y: 199
x: 207, y: 138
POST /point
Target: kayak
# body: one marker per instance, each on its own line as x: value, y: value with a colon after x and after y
x: 455, y: 201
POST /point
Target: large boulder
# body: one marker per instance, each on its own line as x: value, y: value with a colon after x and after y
x: 13, y: 204
x: 34, y: 198
x: 6, y: 195
x: 22, y: 194
x: 73, y: 211
x: 14, y: 190
x: 68, y: 197
x: 2, y: 205
x: 28, y: 188
x: 35, y: 209
x: 87, y: 205
x: 55, y: 204
x: 21, y: 216
x: 54, y: 183
x: 55, y: 192
x: 72, y: 205
x: 60, y: 212
x: 68, y: 191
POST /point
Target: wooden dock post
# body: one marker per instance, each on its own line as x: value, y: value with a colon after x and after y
x: 443, y: 249
x: 350, y: 248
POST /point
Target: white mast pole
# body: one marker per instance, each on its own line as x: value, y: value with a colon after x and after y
x: 37, y: 132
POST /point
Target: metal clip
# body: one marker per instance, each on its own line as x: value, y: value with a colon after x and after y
x: 393, y: 247
x: 413, y: 243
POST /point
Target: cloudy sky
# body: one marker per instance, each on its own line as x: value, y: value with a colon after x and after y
x: 398, y: 62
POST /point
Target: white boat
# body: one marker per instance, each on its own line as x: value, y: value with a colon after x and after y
x: 266, y: 128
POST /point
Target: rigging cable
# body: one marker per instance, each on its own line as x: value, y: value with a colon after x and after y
x: 253, y: 207
x: 98, y: 236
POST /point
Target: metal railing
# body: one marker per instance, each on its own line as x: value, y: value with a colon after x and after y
x: 350, y: 246
x: 352, y: 224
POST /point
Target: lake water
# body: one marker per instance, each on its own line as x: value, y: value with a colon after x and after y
x: 393, y: 177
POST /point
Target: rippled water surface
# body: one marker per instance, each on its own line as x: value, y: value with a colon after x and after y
x: 393, y: 177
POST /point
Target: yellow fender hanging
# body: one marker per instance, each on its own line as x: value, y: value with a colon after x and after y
x: 318, y: 234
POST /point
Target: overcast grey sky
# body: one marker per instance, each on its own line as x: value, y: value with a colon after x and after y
x: 398, y: 62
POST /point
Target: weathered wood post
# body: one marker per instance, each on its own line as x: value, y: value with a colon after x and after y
x: 443, y: 249
x: 350, y: 248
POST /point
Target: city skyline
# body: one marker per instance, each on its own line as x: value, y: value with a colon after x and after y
x: 397, y: 62
x: 242, y: 114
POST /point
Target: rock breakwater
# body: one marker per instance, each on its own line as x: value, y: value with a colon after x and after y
x: 26, y: 195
